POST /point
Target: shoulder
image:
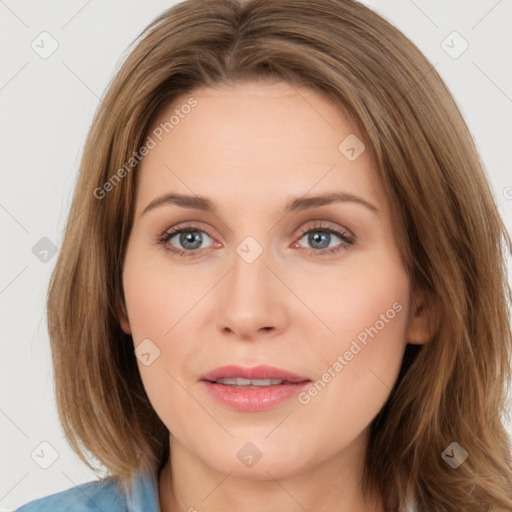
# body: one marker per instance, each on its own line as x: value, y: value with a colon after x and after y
x: 91, y: 496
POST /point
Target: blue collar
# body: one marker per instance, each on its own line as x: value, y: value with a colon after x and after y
x: 144, y: 494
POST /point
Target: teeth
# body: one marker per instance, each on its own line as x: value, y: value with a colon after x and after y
x: 238, y: 381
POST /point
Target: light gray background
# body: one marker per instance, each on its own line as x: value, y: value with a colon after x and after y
x: 47, y: 106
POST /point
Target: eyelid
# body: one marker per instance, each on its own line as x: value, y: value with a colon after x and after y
x: 186, y: 226
x: 329, y: 226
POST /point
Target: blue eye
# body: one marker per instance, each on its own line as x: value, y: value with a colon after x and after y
x: 320, y: 238
x: 189, y: 240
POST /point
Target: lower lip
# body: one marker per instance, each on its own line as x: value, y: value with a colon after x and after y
x: 254, y: 399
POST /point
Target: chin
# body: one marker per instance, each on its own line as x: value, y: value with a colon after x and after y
x: 259, y: 459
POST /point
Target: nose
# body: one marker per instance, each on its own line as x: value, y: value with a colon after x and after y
x: 252, y: 301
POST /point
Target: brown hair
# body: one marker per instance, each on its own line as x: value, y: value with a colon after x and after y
x: 453, y: 242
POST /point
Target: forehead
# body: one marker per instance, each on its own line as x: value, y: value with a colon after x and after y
x: 261, y: 141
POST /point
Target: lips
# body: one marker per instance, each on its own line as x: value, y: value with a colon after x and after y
x: 256, y: 373
x: 253, y: 389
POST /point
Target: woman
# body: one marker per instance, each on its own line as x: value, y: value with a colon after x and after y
x: 282, y: 282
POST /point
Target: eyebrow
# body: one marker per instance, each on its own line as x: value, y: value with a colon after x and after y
x: 294, y: 205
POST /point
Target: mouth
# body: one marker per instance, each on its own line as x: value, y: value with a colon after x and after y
x: 253, y: 389
x: 251, y: 383
x: 262, y: 375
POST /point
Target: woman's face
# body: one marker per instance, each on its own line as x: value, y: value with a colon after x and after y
x: 267, y: 275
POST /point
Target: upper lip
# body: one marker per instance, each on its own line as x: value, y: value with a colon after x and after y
x: 255, y: 372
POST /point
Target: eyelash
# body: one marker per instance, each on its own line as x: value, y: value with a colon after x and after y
x: 346, y: 240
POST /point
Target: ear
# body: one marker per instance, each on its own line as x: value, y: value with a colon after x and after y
x: 423, y: 319
x: 122, y: 316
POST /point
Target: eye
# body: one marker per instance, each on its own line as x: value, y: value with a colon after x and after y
x: 188, y: 241
x: 184, y: 241
x: 320, y: 237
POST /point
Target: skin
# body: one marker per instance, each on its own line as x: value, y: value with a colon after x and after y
x: 249, y: 148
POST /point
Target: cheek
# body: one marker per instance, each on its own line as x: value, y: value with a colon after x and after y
x: 155, y: 301
x: 365, y: 301
x: 158, y: 304
x: 376, y: 311
x: 359, y: 365
x: 375, y: 308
